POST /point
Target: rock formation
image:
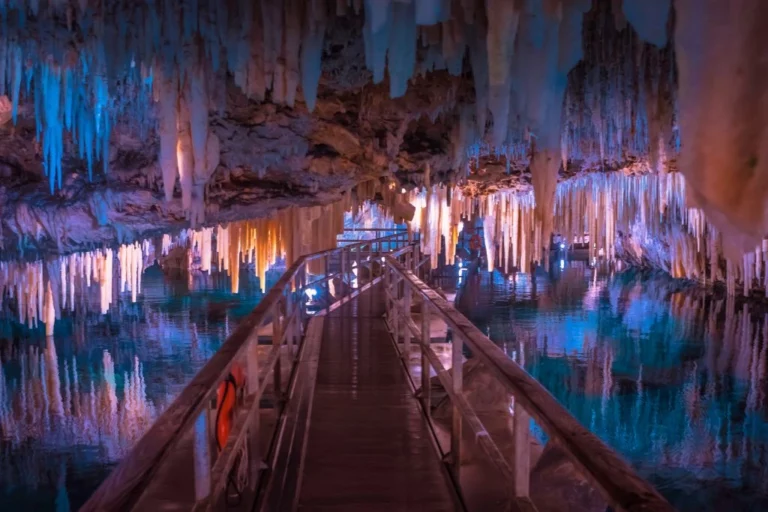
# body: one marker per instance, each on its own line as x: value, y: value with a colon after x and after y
x: 124, y: 118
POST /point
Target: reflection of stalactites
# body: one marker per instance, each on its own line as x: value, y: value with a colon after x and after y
x: 53, y: 384
x: 62, y: 498
x: 136, y: 413
x: 6, y: 417
x: 106, y: 417
x: 607, y: 380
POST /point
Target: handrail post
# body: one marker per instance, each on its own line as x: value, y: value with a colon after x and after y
x: 406, y: 317
x: 457, y: 383
x: 252, y: 362
x: 396, y: 317
x: 277, y: 336
x: 202, y: 456
x: 522, y: 466
x: 359, y: 273
x: 343, y: 256
x: 302, y: 276
x: 290, y: 339
x: 416, y: 258
x: 387, y: 303
x: 426, y: 383
x: 408, y: 256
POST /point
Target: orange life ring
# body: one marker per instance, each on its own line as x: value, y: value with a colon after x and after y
x: 226, y: 397
x: 474, y: 243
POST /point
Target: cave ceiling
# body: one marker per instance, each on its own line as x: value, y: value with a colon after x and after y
x: 120, y: 119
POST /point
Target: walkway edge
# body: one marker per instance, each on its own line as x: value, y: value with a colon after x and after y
x: 285, y: 481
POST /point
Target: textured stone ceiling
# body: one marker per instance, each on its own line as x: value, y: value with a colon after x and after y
x: 122, y: 118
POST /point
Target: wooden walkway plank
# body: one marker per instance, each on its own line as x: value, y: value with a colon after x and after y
x: 369, y: 444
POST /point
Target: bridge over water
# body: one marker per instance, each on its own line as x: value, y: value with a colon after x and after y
x: 352, y: 391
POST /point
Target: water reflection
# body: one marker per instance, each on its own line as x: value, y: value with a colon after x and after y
x: 72, y: 404
x: 94, y: 346
x: 673, y: 379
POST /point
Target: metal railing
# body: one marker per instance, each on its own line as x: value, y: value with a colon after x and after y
x: 621, y: 487
x: 191, y: 416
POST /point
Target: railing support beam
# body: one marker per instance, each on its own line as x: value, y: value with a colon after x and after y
x: 406, y: 315
x: 202, y: 457
x: 426, y: 382
x: 522, y: 466
x: 457, y: 383
x: 277, y: 337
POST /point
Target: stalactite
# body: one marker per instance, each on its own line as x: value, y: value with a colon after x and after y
x: 312, y: 50
x: 525, y: 62
x: 723, y: 115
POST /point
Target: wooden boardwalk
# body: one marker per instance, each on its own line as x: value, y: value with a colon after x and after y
x: 369, y: 446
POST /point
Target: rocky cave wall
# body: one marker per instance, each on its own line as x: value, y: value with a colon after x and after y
x: 145, y: 116
x: 69, y: 182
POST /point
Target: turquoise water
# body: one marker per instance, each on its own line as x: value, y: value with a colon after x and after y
x: 673, y: 379
x: 73, y: 404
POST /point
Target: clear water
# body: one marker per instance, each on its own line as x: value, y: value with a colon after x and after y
x: 671, y: 378
x: 72, y: 405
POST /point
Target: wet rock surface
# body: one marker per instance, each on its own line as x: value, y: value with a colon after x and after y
x: 274, y: 152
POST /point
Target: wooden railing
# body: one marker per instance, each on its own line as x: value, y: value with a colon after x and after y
x: 621, y: 487
x: 191, y: 416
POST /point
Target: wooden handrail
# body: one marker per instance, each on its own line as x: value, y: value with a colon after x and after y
x: 127, y: 482
x: 622, y: 488
x: 374, y: 230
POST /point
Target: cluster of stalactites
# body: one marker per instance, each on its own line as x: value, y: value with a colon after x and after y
x: 650, y: 210
x: 600, y: 205
x: 520, y: 53
x: 622, y: 99
x: 593, y: 207
x: 263, y: 243
x: 438, y: 215
x: 187, y: 147
x: 91, y: 64
x: 43, y: 289
x: 512, y: 236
